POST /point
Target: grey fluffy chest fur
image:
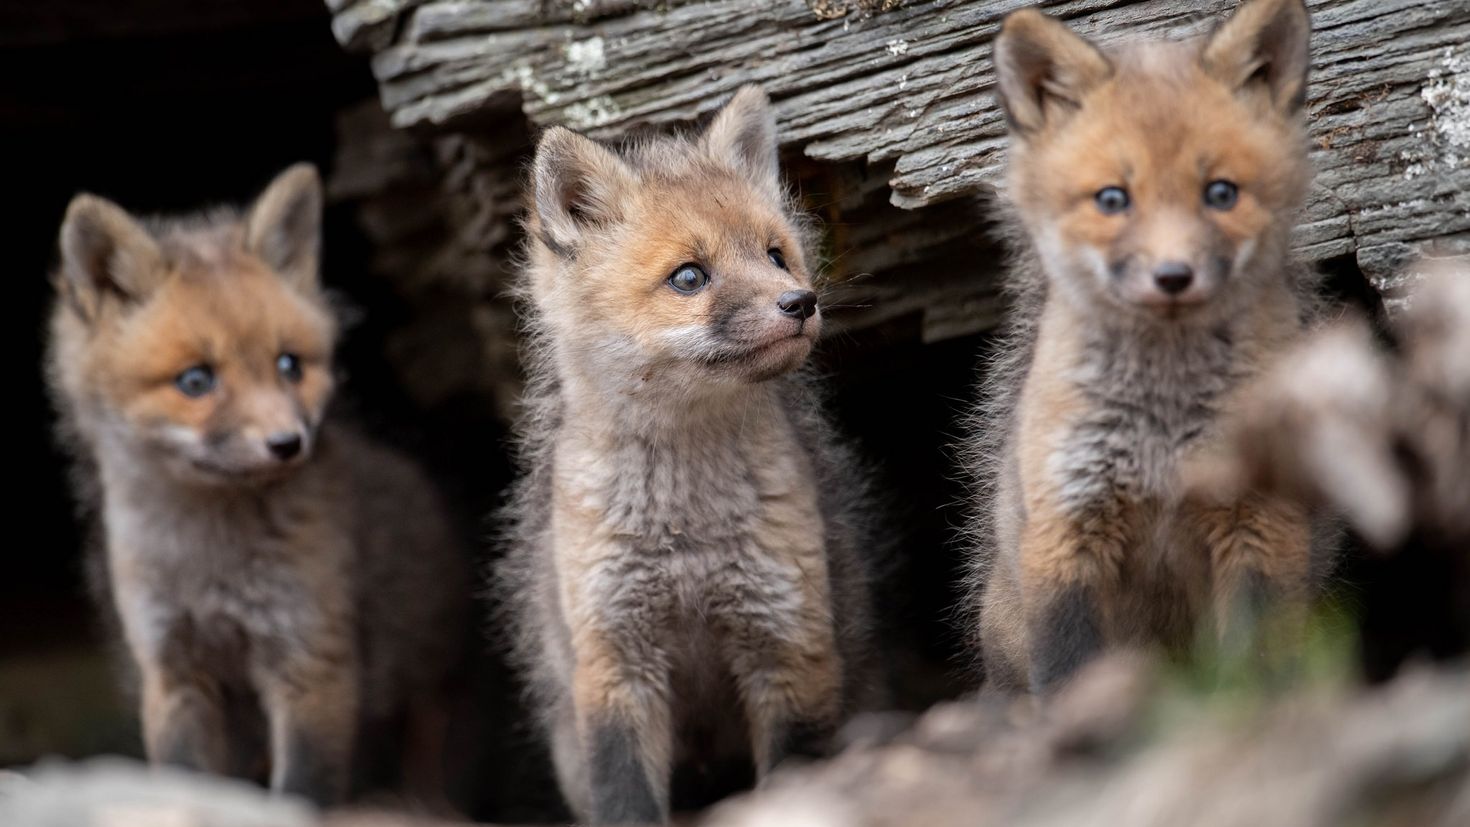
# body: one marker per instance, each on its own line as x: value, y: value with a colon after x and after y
x: 699, y: 515
x: 1149, y: 399
x: 687, y: 493
x: 217, y: 569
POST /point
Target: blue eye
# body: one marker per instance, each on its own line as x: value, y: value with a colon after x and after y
x: 776, y: 258
x: 689, y: 278
x: 1112, y: 200
x: 288, y: 365
x: 1221, y: 195
x: 196, y: 381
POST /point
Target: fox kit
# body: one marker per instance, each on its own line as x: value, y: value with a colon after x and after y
x: 1155, y: 187
x: 685, y: 568
x: 277, y: 581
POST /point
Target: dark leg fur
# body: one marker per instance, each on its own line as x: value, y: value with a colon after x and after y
x: 621, y: 790
x: 192, y: 732
x: 312, y: 709
x: 1246, y: 603
x: 311, y: 771
x: 806, y: 739
x: 249, y: 748
x: 1065, y: 634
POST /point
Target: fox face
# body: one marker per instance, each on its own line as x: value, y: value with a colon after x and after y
x: 208, y: 347
x: 674, y: 264
x: 1155, y: 178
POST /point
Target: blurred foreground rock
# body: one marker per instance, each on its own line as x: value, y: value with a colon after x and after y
x: 114, y: 792
x: 1381, y: 436
x: 117, y: 792
x: 1120, y: 746
x: 1111, y: 751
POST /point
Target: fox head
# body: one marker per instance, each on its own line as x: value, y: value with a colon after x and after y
x: 1165, y: 177
x: 673, y: 265
x: 205, y: 344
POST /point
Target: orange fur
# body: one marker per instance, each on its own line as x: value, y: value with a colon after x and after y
x: 237, y: 318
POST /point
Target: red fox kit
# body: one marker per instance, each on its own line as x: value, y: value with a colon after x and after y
x: 277, y: 580
x: 684, y: 570
x: 1155, y: 188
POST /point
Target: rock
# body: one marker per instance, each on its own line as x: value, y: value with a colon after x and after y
x: 1318, y: 756
x: 113, y: 792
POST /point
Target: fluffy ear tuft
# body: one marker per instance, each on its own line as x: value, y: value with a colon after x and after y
x: 578, y: 185
x: 743, y: 136
x: 284, y: 226
x: 104, y: 250
x: 1039, y: 62
x: 1264, y: 45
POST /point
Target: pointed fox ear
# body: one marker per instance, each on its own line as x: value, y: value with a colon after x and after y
x: 105, y: 251
x: 743, y: 136
x: 284, y: 226
x: 578, y: 186
x: 1265, y: 45
x: 1041, y: 64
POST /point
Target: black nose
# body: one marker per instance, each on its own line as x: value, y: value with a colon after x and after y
x: 1173, y: 277
x: 284, y: 445
x: 798, y: 304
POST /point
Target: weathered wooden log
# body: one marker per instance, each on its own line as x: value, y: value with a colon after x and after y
x: 439, y: 219
x: 910, y: 84
x: 889, y: 128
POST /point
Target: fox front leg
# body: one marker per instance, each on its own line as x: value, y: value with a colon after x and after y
x: 183, y: 722
x: 311, y: 703
x: 774, y: 621
x: 624, y: 721
x: 1067, y: 571
x: 1260, y: 560
x: 793, y: 706
x: 615, y: 607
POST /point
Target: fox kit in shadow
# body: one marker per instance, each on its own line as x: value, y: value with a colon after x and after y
x: 686, y: 571
x: 277, y: 580
x: 1154, y: 187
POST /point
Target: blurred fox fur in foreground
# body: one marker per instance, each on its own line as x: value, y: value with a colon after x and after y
x: 686, y: 570
x: 1381, y: 436
x: 282, y: 585
x: 1153, y: 188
